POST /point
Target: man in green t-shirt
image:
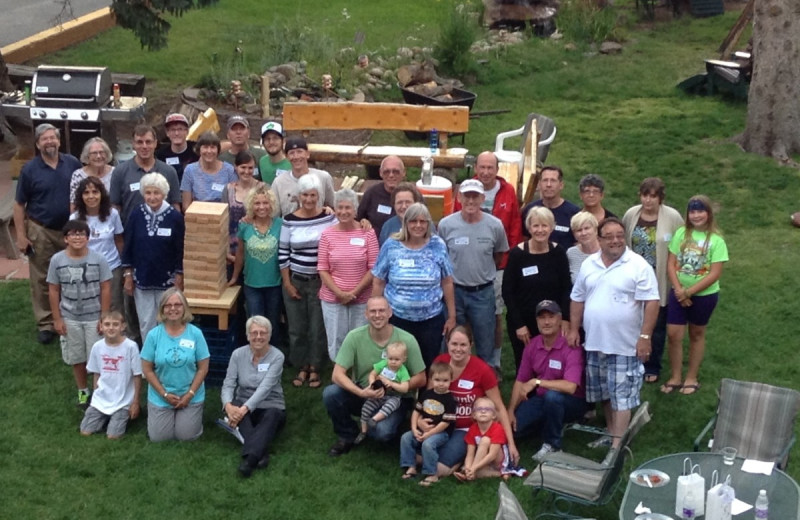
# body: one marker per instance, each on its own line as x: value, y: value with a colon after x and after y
x: 275, y: 161
x: 361, y: 349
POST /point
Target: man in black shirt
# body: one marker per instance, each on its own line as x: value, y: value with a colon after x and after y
x: 179, y: 152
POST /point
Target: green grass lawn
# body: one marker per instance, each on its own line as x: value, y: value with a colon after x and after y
x: 620, y: 116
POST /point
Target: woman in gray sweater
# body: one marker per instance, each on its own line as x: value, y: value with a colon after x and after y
x: 252, y: 396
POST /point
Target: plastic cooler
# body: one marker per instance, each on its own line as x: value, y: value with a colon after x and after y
x: 442, y: 187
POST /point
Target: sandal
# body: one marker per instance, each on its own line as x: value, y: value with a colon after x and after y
x: 668, y: 388
x: 409, y: 474
x: 651, y: 378
x: 690, y: 389
x: 301, y: 378
x: 313, y: 378
x: 429, y: 481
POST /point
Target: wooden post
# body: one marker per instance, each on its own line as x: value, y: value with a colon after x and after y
x: 265, y: 96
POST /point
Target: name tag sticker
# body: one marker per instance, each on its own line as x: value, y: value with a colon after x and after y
x: 217, y: 186
x: 555, y: 364
x: 465, y: 384
x: 357, y: 242
x: 563, y: 229
x: 406, y: 262
x: 134, y: 186
x: 164, y: 232
x: 462, y: 241
x: 383, y: 208
x: 620, y: 298
x: 388, y: 373
x: 263, y: 367
x: 186, y: 343
x: 701, y: 243
x: 172, y: 161
x: 667, y: 237
x: 530, y: 270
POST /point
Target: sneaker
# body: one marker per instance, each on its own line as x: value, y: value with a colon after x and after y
x: 609, y: 457
x: 340, y: 447
x: 545, y: 450
x: 603, y: 442
x: 45, y: 337
x: 83, y: 399
x: 245, y: 469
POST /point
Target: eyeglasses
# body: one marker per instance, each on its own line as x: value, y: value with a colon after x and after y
x: 591, y: 191
x: 394, y: 171
x: 258, y: 333
x: 73, y: 234
x: 484, y: 409
x: 173, y: 305
x: 101, y: 152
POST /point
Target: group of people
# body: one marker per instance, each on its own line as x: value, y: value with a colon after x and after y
x: 399, y: 304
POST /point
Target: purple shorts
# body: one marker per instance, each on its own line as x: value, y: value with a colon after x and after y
x: 699, y: 313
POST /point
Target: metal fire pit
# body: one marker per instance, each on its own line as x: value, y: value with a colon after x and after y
x: 79, y: 102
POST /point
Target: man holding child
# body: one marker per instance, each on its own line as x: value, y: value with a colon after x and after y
x: 362, y: 348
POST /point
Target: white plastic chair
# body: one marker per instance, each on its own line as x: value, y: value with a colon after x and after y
x: 545, y: 126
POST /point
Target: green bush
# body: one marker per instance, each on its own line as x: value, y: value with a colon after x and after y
x: 582, y: 21
x: 458, y: 31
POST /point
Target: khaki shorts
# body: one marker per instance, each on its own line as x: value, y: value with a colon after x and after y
x: 77, y: 344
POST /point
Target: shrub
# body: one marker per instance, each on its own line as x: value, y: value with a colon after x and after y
x: 583, y: 21
x: 458, y: 31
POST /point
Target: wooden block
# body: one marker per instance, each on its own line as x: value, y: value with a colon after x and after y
x: 376, y: 116
x: 204, y: 276
x: 209, y: 209
x: 203, y: 286
x: 205, y: 295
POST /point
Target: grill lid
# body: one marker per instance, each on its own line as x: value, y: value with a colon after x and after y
x: 57, y: 86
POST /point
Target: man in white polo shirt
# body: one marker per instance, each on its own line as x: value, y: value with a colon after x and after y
x: 615, y: 298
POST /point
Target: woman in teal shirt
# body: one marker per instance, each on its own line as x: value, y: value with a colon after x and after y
x: 175, y: 362
x: 257, y: 254
x: 697, y: 253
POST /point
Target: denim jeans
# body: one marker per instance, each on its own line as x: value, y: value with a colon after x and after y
x: 552, y: 410
x: 478, y: 308
x: 265, y: 301
x: 453, y: 452
x: 410, y: 446
x: 342, y: 406
x: 428, y: 334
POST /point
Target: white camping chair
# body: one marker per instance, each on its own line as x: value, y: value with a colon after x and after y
x: 545, y: 126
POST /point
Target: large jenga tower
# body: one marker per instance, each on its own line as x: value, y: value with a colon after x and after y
x: 205, y: 250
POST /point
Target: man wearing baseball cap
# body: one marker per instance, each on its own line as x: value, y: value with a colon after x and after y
x: 476, y: 242
x: 285, y: 185
x: 549, y: 389
x: 275, y: 161
x: 179, y: 152
x: 239, y: 137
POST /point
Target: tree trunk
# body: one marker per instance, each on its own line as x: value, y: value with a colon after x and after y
x: 773, y: 107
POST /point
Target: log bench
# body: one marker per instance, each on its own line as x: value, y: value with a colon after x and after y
x: 305, y: 117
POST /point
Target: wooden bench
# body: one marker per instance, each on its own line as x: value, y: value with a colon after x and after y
x: 305, y: 117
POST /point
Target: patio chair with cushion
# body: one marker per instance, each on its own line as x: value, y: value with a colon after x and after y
x: 755, y: 418
x: 572, y: 479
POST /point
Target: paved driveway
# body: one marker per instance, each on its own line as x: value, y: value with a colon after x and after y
x: 23, y: 18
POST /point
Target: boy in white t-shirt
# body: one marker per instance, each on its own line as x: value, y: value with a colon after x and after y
x: 117, y: 370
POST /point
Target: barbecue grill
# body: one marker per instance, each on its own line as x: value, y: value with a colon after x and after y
x: 79, y: 102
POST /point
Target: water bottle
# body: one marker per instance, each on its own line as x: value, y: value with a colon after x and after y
x: 427, y: 170
x: 688, y: 506
x: 762, y: 505
x: 434, y: 141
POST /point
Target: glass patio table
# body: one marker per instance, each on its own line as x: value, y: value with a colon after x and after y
x: 782, y: 490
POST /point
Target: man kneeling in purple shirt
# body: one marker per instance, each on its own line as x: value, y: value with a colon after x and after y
x: 549, y: 388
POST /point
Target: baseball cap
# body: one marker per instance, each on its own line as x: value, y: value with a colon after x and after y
x: 272, y: 126
x: 238, y: 120
x: 549, y: 306
x: 472, y: 185
x: 294, y: 143
x: 176, y: 118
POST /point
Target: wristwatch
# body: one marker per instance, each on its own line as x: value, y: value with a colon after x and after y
x: 644, y: 336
